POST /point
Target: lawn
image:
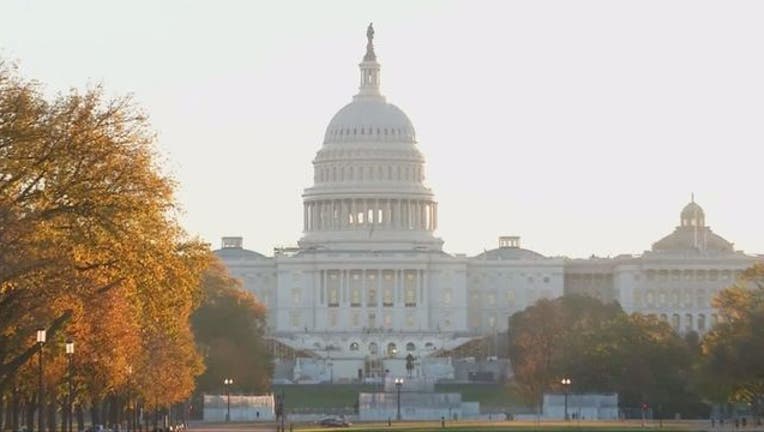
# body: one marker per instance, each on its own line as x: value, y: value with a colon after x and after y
x: 514, y: 426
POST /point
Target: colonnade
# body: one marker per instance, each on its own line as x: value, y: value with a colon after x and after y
x: 349, y: 214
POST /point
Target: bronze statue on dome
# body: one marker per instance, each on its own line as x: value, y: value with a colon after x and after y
x: 370, y: 56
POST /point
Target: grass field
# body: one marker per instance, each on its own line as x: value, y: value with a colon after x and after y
x: 516, y: 426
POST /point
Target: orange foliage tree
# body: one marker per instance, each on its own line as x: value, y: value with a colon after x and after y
x: 91, y: 251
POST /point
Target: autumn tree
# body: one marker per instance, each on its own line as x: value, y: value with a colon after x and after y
x: 602, y: 349
x: 733, y: 351
x: 92, y: 249
x: 229, y: 327
x: 540, y: 334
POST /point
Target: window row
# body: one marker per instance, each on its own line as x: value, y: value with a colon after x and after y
x: 692, y: 275
x: 362, y: 213
x: 674, y: 297
x: 689, y: 322
x: 369, y: 131
x: 408, y: 172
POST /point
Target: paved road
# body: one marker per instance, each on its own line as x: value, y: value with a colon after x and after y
x: 232, y: 427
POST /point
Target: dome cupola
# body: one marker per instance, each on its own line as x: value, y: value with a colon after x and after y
x: 692, y: 215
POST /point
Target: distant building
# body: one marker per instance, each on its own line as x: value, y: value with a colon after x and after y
x: 675, y: 281
x: 369, y: 282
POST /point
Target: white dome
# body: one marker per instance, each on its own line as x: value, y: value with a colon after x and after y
x: 370, y: 118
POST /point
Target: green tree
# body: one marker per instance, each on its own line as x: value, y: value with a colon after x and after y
x: 601, y: 349
x: 733, y: 351
x: 229, y: 327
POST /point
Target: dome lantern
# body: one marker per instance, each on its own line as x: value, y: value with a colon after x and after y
x: 692, y: 215
x: 370, y: 76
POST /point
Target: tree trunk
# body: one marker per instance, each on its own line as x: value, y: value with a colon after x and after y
x: 31, y: 409
x: 113, y: 408
x: 64, y: 415
x: 15, y: 411
x: 52, y: 409
x: 95, y: 418
x: 80, y: 418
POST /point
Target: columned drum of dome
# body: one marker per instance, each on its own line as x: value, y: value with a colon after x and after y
x: 369, y: 191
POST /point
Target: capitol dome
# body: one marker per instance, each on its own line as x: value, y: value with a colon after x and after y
x: 370, y: 119
x: 369, y: 190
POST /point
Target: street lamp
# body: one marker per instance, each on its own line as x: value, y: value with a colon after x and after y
x: 566, y: 385
x: 398, y: 385
x: 130, y: 407
x: 228, y: 382
x: 41, y: 342
x: 70, y: 394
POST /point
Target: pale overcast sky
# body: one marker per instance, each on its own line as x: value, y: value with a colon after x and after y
x: 581, y: 126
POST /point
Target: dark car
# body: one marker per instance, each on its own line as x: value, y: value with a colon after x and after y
x: 334, y: 422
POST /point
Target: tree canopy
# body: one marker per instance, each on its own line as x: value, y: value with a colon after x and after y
x: 92, y: 250
x: 601, y: 349
x: 229, y: 326
x: 733, y: 351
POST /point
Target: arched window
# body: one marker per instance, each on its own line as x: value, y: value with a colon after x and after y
x: 701, y: 323
x: 430, y: 346
x: 354, y: 346
x: 676, y: 321
x: 688, y: 322
x: 373, y: 349
x: 410, y: 347
x: 392, y: 350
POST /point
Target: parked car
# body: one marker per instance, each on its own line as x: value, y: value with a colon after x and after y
x: 334, y: 421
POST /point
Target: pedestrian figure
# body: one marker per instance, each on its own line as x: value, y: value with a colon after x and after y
x: 737, y: 422
x: 745, y: 421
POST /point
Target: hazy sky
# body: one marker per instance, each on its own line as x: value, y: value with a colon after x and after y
x: 581, y: 126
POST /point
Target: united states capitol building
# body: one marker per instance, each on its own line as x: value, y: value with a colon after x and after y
x: 369, y: 283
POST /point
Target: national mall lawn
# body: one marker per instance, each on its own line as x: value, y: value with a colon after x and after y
x: 518, y: 426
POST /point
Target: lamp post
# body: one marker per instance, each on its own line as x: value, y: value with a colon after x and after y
x: 70, y: 394
x: 398, y: 385
x: 566, y: 385
x: 228, y: 382
x: 40, y: 397
x: 130, y: 408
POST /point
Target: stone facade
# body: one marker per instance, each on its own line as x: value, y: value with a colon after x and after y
x: 369, y: 280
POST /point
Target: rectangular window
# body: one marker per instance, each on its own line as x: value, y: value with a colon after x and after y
x: 371, y: 288
x: 333, y: 288
x: 388, y: 287
x: 355, y: 288
x: 491, y: 299
x: 294, y: 318
x: 409, y: 288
